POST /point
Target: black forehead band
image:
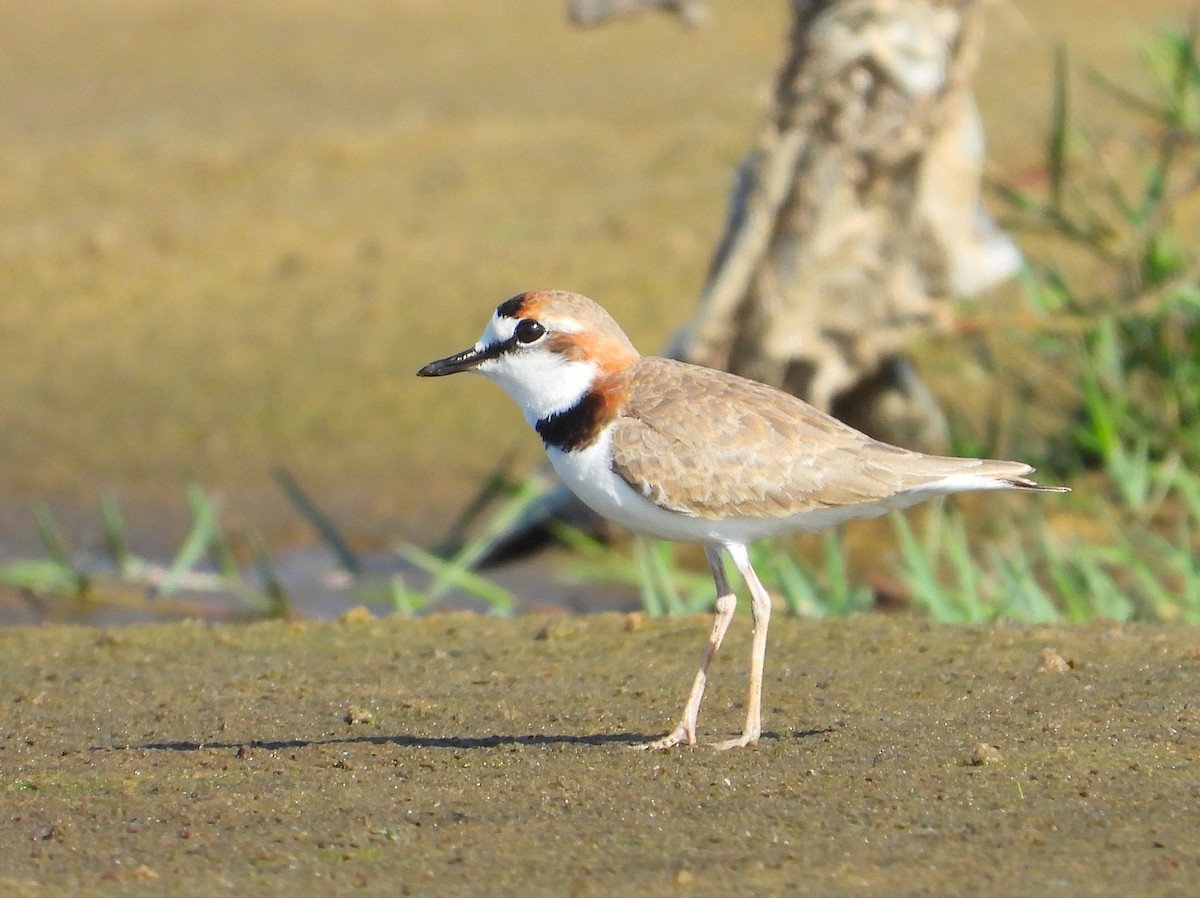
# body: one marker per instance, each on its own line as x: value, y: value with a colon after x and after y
x: 510, y: 308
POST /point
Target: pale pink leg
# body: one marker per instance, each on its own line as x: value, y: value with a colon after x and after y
x: 726, y: 601
x: 760, y: 610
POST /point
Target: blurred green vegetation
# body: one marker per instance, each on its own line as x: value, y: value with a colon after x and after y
x: 231, y: 233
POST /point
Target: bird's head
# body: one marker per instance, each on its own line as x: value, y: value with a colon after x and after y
x: 547, y: 349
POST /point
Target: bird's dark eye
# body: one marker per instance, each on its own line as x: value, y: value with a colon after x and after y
x: 528, y: 330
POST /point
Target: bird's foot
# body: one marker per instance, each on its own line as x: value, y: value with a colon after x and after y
x: 681, y: 735
x: 742, y: 741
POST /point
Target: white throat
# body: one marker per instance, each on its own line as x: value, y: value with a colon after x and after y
x: 540, y: 380
x: 542, y: 383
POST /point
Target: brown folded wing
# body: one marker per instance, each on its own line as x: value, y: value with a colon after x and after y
x: 710, y: 444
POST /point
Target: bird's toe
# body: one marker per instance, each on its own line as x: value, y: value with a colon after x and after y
x: 679, y: 736
x: 742, y: 741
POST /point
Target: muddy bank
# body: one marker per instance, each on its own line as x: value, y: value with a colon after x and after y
x: 465, y: 755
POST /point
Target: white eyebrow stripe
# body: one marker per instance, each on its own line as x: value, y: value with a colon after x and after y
x: 499, y: 330
x: 562, y: 325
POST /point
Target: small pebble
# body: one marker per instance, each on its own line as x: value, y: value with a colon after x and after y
x: 1050, y: 661
x: 357, y: 615
x: 983, y: 753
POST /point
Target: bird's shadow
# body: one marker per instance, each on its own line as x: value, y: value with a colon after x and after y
x: 443, y: 742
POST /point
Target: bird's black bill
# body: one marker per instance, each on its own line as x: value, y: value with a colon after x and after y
x: 465, y: 360
x: 460, y: 361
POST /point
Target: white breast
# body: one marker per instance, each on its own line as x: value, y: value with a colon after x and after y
x: 589, y: 474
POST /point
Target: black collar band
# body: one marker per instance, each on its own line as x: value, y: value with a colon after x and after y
x: 575, y: 427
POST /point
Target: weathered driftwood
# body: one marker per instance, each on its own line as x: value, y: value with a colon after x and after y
x: 857, y: 216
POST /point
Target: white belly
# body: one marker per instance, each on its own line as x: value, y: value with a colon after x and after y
x: 589, y: 474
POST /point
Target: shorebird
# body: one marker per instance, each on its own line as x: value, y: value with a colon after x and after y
x: 686, y: 453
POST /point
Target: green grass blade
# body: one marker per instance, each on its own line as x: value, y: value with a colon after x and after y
x: 40, y: 576
x: 1064, y: 576
x: 971, y: 603
x: 497, y: 484
x: 800, y: 591
x: 1022, y: 598
x: 222, y: 555
x: 523, y: 496
x: 278, y: 603
x: 921, y: 574
x: 321, y: 522
x: 204, y: 517
x: 56, y: 549
x: 116, y: 537
x: 653, y: 601
x: 663, y: 555
x: 405, y: 601
x: 1108, y: 599
x: 837, y: 574
x: 500, y: 599
x: 584, y: 543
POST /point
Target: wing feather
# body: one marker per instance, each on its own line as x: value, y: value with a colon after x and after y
x: 710, y: 444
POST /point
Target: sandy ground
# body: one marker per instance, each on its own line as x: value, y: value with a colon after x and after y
x: 462, y: 755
